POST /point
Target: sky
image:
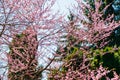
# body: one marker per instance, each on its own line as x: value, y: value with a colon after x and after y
x: 63, y: 6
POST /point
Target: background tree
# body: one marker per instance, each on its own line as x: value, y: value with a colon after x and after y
x: 116, y: 7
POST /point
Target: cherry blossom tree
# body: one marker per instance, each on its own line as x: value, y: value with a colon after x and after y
x: 89, y: 47
x: 95, y: 29
x: 28, y: 18
x: 22, y: 59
